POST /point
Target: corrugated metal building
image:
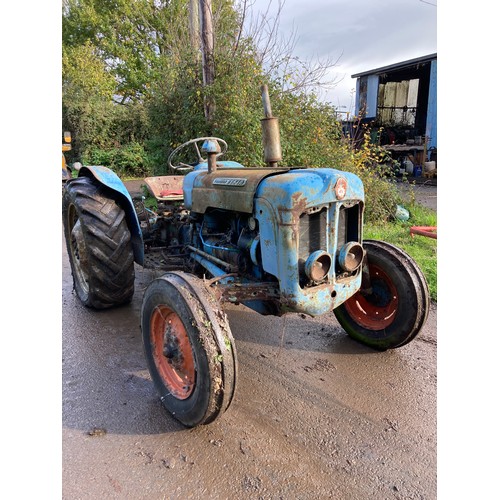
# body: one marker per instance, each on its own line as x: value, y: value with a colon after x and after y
x: 401, y: 98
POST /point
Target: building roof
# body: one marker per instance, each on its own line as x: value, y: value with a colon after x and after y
x: 397, y: 66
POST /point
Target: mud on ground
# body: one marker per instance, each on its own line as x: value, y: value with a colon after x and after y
x: 316, y: 415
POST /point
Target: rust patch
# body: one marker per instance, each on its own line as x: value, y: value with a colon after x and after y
x: 165, y: 187
x: 229, y: 197
x: 241, y: 292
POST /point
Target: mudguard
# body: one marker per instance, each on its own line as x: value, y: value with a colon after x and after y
x: 109, y: 179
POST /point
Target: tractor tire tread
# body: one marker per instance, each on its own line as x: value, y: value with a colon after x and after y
x: 108, y: 242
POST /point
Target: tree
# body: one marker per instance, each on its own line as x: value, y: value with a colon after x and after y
x: 134, y: 88
x: 276, y: 52
x: 87, y: 96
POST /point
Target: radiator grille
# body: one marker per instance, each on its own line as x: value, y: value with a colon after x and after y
x: 312, y: 233
x: 348, y: 227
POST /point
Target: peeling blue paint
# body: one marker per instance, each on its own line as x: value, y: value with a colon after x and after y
x: 279, y: 203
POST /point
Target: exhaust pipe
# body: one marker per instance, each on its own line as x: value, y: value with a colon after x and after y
x: 270, y: 132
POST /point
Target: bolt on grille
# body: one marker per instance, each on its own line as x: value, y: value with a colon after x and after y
x: 312, y: 233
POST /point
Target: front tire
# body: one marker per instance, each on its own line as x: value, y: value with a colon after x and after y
x: 189, y: 348
x: 99, y: 244
x: 397, y: 307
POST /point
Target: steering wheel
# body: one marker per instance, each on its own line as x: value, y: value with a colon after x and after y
x: 185, y: 167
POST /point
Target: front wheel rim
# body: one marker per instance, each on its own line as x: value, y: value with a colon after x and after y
x: 172, y: 352
x: 377, y: 310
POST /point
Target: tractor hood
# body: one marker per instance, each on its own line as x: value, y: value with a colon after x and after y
x: 300, y: 189
x: 227, y: 188
x: 288, y: 189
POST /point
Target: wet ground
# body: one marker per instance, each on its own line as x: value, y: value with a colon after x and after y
x: 315, y: 416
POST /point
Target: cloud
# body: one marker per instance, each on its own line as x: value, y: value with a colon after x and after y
x: 365, y: 34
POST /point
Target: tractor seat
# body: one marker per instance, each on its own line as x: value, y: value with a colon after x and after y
x: 166, y: 187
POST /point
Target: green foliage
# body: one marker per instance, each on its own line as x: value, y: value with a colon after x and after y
x: 237, y: 98
x: 133, y: 91
x: 309, y: 130
x: 87, y: 97
x: 176, y: 107
x: 373, y: 165
x: 422, y: 249
x: 124, y: 34
x: 128, y: 160
x: 175, y: 110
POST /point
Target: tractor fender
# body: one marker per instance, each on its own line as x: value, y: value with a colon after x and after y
x: 108, y: 178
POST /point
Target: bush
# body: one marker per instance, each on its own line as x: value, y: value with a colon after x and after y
x: 373, y: 165
x: 130, y: 160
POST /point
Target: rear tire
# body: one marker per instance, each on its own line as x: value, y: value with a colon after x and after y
x: 99, y: 244
x: 396, y: 311
x: 189, y: 348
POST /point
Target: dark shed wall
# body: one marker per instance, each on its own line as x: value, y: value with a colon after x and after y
x: 423, y: 69
x: 422, y: 73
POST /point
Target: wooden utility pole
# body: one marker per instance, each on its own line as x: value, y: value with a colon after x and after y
x: 207, y: 54
x: 194, y: 26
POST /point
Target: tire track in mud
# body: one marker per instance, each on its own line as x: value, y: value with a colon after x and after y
x: 294, y: 396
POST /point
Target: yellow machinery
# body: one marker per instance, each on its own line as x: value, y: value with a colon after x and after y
x: 66, y: 172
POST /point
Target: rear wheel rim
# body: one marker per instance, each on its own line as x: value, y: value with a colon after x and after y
x: 79, y: 256
x: 375, y: 311
x: 172, y: 352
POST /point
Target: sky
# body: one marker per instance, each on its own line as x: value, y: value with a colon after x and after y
x: 361, y: 34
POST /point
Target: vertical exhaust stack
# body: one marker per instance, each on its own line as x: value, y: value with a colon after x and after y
x: 270, y: 132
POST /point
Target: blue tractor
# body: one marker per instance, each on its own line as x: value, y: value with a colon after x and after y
x: 275, y: 239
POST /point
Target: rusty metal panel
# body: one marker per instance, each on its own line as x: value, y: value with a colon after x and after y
x: 165, y: 187
x: 229, y: 189
x: 280, y: 203
x: 241, y: 292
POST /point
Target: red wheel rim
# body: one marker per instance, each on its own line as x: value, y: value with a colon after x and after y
x: 377, y: 310
x: 172, y: 352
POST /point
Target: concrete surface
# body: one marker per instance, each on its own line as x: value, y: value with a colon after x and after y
x: 425, y: 194
x: 315, y: 415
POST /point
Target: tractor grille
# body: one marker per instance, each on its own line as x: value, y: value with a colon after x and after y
x: 348, y: 227
x: 316, y: 232
x: 313, y: 230
x: 312, y: 233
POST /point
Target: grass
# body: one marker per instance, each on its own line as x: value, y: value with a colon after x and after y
x: 422, y: 249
